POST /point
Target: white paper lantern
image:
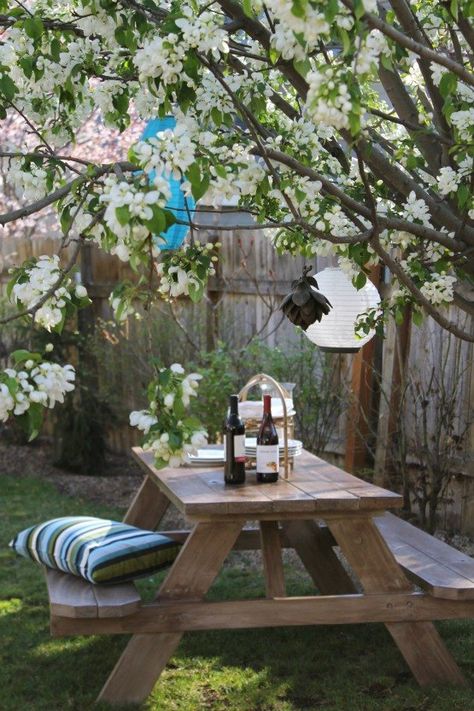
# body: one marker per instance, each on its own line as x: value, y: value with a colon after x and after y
x: 335, y: 332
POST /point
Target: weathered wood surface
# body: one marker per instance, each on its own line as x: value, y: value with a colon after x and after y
x: 70, y: 596
x: 272, y: 559
x: 315, y: 548
x: 378, y: 571
x: 183, y: 616
x: 191, y: 575
x: 314, y: 488
x: 435, y: 566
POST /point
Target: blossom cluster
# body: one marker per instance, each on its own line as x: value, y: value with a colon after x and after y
x: 131, y: 210
x: 328, y: 100
x: 34, y: 280
x: 169, y: 152
x: 163, y: 57
x: 185, y: 272
x: 33, y: 384
x: 439, y: 288
x: 170, y: 433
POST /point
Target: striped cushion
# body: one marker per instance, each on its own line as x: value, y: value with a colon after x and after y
x: 96, y: 549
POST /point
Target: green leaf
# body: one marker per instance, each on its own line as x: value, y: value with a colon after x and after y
x: 221, y: 171
x: 331, y: 8
x: 298, y: 8
x: 55, y: 49
x: 121, y: 102
x: 22, y: 355
x: 34, y: 420
x: 463, y: 193
x: 303, y: 67
x: 346, y: 41
x: 33, y: 27
x: 26, y: 63
x: 247, y: 7
x: 123, y: 215
x: 7, y: 87
x: 399, y: 315
x: 386, y: 62
x: 274, y: 55
x: 360, y: 280
x: 216, y: 116
x: 447, y: 85
x: 157, y: 224
x: 417, y: 318
x: 354, y: 123
x: 196, y: 292
x: 199, y: 183
x: 359, y: 9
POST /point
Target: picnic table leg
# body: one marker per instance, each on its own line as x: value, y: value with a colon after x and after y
x: 193, y: 572
x: 378, y: 571
x: 272, y: 559
x: 318, y: 557
x: 148, y: 506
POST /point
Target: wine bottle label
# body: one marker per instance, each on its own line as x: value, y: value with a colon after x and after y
x: 239, y: 448
x: 268, y: 458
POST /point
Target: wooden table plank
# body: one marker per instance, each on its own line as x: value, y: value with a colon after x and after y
x: 314, y: 487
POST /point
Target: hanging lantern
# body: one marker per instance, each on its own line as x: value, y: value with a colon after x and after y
x: 175, y: 235
x: 335, y: 332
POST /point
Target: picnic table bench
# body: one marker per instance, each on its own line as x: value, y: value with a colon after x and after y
x: 320, y: 508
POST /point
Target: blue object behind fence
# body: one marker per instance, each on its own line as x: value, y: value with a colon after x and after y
x: 176, y: 234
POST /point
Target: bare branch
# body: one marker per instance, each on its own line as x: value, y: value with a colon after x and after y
x: 62, y: 192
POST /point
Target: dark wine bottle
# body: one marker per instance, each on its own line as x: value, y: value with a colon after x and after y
x: 268, y: 455
x: 234, y: 445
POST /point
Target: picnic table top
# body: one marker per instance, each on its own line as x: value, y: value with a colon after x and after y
x: 314, y: 487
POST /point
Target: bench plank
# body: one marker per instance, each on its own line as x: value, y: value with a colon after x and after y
x: 70, y: 596
x: 437, y: 567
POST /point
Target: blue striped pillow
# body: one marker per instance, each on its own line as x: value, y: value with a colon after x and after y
x: 96, y: 549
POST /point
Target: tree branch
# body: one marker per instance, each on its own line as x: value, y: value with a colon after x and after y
x: 62, y: 192
x: 415, y: 47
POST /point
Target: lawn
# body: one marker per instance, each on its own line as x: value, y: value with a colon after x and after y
x: 326, y: 668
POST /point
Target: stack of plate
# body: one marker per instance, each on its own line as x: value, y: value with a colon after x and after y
x: 212, y: 455
x: 295, y: 447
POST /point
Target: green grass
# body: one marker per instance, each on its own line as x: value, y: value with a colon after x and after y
x: 353, y: 668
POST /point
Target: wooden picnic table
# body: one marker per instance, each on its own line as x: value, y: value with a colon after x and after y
x: 318, y: 508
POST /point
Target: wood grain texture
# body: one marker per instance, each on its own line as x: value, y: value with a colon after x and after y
x: 272, y: 560
x: 70, y: 596
x: 181, y: 616
x: 317, y: 555
x: 435, y: 566
x: 148, y: 506
x: 315, y: 487
x: 378, y: 571
x: 191, y: 575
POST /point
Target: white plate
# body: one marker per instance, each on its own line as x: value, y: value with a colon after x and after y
x: 210, y: 456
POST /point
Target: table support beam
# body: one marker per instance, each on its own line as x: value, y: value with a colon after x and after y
x: 148, y: 506
x: 181, y: 616
x: 191, y: 575
x: 272, y: 559
x: 378, y: 571
x: 313, y: 545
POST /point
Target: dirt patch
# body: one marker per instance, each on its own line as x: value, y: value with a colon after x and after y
x: 116, y: 485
